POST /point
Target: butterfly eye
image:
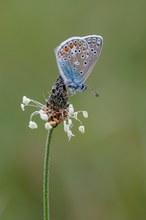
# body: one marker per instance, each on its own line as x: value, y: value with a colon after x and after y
x: 83, y: 87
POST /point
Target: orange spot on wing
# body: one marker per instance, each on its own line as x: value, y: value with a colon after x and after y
x: 66, y: 49
x: 71, y: 45
x: 61, y: 53
x: 75, y: 43
x: 80, y: 43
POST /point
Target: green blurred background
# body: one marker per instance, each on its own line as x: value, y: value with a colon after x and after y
x: 101, y: 174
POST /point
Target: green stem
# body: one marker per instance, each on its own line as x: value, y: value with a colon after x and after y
x: 46, y: 176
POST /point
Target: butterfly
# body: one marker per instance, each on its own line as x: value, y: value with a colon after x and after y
x: 76, y: 58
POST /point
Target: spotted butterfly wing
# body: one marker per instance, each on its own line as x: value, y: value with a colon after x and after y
x: 76, y: 58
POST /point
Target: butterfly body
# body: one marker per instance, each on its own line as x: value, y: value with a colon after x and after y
x: 76, y: 58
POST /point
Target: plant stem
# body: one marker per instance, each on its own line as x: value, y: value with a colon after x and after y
x: 46, y: 176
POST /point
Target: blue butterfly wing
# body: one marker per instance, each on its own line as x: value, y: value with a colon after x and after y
x: 67, y: 59
x: 68, y: 72
x: 76, y: 58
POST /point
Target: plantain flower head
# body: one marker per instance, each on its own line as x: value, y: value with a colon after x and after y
x: 57, y: 109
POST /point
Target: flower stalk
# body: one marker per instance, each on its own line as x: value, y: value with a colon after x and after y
x: 46, y: 176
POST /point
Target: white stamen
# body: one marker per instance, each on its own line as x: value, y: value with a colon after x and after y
x: 34, y: 113
x: 37, y: 104
x: 66, y: 127
x: 46, y: 116
x: 48, y: 126
x: 75, y: 115
x: 82, y: 129
x: 43, y: 115
x: 32, y: 125
x: 85, y: 114
x: 64, y: 123
x: 70, y: 134
x: 25, y: 100
x: 22, y: 107
x: 69, y: 122
x: 71, y: 109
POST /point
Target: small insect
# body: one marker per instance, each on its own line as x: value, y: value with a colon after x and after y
x: 76, y: 58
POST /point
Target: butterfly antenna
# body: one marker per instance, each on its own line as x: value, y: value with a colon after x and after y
x: 93, y: 92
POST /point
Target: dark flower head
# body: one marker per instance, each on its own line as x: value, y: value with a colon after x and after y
x: 57, y: 103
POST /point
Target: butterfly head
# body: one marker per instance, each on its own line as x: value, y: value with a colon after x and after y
x: 74, y: 87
